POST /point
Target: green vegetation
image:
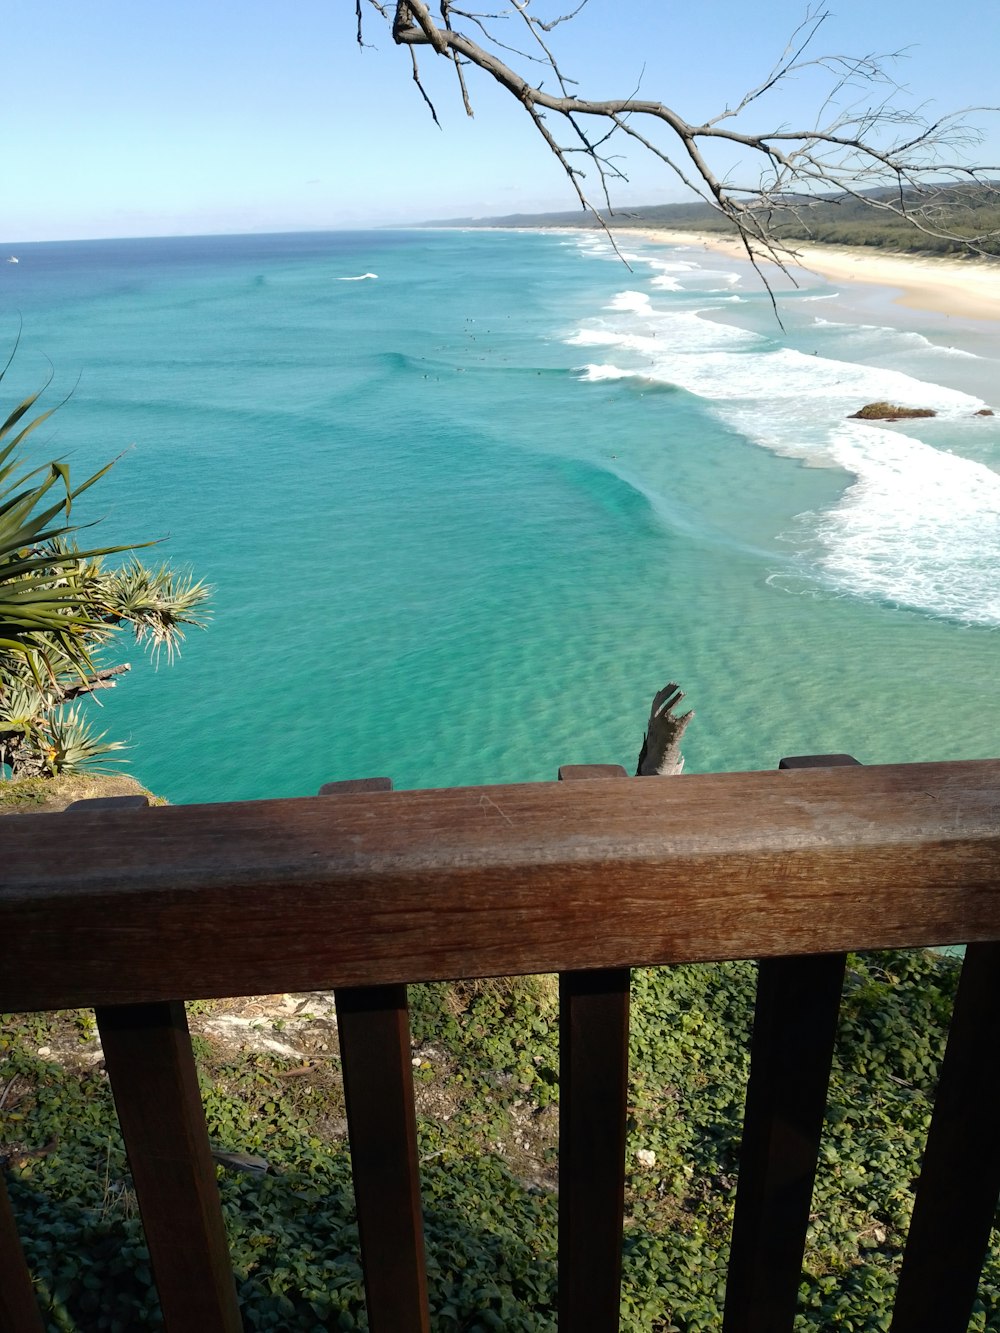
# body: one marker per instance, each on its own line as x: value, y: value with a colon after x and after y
x: 486, y: 1077
x: 61, y: 609
x: 962, y: 212
x: 47, y: 795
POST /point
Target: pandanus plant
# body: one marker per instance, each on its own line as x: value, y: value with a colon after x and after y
x: 62, y: 608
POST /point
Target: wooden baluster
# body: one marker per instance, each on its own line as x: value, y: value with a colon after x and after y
x: 147, y: 1050
x: 19, y: 1311
x: 795, y: 1025
x: 593, y: 1091
x: 373, y: 1022
x: 593, y: 1083
x: 956, y: 1199
x: 381, y: 1125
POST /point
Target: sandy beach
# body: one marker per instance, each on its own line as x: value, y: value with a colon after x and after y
x: 969, y: 288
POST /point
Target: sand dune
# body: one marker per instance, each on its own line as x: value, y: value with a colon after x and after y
x: 969, y: 288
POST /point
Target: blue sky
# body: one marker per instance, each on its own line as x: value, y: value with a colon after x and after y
x: 128, y: 119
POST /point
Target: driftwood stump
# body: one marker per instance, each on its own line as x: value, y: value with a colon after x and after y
x: 660, y: 755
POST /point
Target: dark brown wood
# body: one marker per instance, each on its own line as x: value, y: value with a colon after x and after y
x: 581, y: 877
x: 374, y: 1027
x: 585, y: 772
x: 19, y: 1312
x: 378, y: 1089
x: 816, y: 761
x: 396, y: 886
x: 147, y: 1050
x: 352, y: 785
x: 593, y: 1088
x: 795, y: 1024
x: 593, y: 1095
x: 956, y: 1200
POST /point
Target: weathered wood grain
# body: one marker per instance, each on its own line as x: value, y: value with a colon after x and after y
x: 593, y: 1088
x: 134, y: 907
x: 593, y: 1096
x: 956, y: 1201
x: 373, y: 1024
x: 795, y: 1024
x: 147, y: 1050
x: 349, y: 786
x: 794, y: 1028
x: 378, y: 1090
x: 588, y: 772
x: 398, y: 886
x: 19, y: 1312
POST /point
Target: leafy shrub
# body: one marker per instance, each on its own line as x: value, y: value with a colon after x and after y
x: 491, y: 1057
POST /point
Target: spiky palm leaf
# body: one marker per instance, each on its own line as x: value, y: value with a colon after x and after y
x: 60, y: 606
x: 74, y: 747
x: 157, y: 603
x: 41, y: 599
x: 22, y: 712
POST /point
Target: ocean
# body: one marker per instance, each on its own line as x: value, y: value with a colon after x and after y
x: 468, y: 498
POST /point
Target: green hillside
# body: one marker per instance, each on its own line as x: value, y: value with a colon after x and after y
x: 963, y: 212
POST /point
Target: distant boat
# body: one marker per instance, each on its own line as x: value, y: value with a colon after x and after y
x: 13, y: 260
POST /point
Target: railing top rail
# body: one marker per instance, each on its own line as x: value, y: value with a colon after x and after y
x: 124, y: 906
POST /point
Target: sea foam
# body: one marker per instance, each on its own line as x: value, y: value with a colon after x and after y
x: 917, y: 523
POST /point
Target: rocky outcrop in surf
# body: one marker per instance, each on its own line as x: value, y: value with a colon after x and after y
x: 890, y: 412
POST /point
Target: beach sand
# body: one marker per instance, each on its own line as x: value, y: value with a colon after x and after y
x: 968, y: 288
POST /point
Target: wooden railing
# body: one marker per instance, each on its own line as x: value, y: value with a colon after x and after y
x: 134, y: 910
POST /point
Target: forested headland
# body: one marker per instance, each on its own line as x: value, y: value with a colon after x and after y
x: 961, y: 212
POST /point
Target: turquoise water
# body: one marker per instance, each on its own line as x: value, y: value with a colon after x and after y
x: 464, y: 516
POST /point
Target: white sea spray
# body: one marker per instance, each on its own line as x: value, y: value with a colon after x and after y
x: 918, y: 522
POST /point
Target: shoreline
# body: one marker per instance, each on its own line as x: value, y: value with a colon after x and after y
x: 967, y: 289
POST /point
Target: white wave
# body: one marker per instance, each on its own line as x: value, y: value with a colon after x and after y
x: 596, y: 247
x: 629, y: 342
x: 917, y: 525
x: 638, y: 302
x: 958, y: 351
x: 672, y: 265
x: 716, y: 277
x: 605, y: 372
x: 880, y: 341
x: 360, y: 277
x: 729, y: 365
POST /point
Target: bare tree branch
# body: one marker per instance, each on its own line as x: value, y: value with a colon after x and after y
x: 865, y: 137
x: 423, y: 90
x: 445, y: 8
x: 97, y: 680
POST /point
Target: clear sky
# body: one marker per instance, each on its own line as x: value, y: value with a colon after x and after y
x: 184, y: 117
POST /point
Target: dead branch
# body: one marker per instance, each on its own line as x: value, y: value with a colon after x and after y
x: 870, y: 138
x: 98, y: 680
x: 660, y: 755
